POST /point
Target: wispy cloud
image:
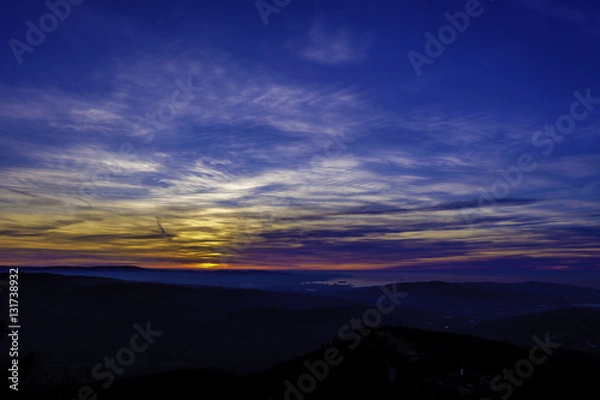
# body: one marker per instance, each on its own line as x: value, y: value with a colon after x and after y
x: 557, y: 9
x: 300, y: 163
x: 330, y: 46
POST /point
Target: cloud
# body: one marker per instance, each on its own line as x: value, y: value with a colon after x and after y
x: 247, y: 164
x: 558, y: 10
x: 328, y: 46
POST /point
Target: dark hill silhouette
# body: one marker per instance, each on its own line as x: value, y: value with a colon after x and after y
x: 575, y: 328
x: 73, y: 322
x: 391, y: 363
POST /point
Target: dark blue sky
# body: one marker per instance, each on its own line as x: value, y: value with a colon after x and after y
x: 338, y: 135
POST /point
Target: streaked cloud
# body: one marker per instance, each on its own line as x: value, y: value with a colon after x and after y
x: 557, y: 9
x: 325, y: 45
x: 305, y: 147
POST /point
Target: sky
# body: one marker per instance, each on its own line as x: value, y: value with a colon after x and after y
x: 278, y: 134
